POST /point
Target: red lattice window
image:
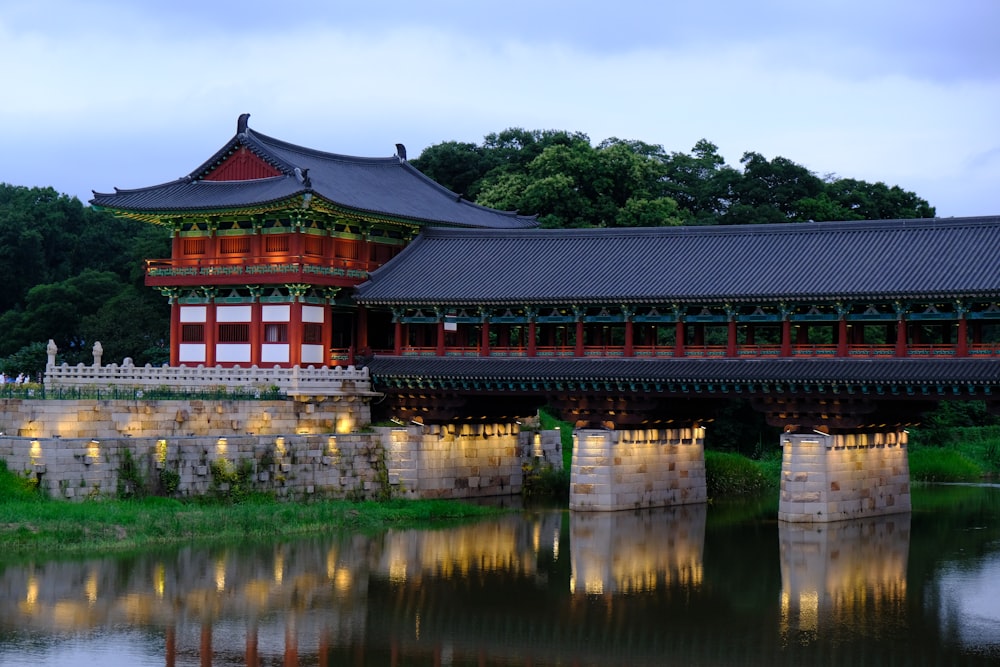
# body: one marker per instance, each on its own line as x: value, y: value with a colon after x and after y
x: 193, y: 246
x: 234, y: 245
x: 234, y: 333
x: 276, y: 243
x: 312, y: 333
x: 192, y: 333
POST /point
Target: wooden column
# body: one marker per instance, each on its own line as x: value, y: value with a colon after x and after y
x: 842, y: 336
x: 175, y: 333
x: 295, y: 333
x: 629, y: 338
x: 397, y: 339
x: 786, y: 337
x: 679, y: 339
x: 439, y: 343
x: 962, y: 345
x: 211, y: 334
x: 532, y: 334
x: 901, y: 336
x: 484, y: 343
x: 362, y: 329
x: 256, y: 314
x: 578, y: 348
x: 731, y: 338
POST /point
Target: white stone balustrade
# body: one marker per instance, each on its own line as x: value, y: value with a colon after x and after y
x: 295, y: 381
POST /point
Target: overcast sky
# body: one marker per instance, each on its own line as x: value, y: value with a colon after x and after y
x: 98, y: 95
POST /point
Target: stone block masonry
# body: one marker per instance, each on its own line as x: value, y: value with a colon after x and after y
x: 837, y: 477
x: 615, y: 470
x: 464, y: 461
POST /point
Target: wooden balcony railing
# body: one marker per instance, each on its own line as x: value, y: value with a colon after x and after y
x: 299, y: 268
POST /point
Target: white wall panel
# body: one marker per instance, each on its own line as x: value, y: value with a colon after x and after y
x: 193, y: 314
x: 274, y: 354
x: 233, y: 353
x: 275, y: 313
x: 191, y: 353
x: 312, y: 354
x: 313, y: 314
x: 233, y: 313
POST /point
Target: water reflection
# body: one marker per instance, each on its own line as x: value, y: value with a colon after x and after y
x: 692, y: 585
x: 631, y: 552
x: 849, y: 572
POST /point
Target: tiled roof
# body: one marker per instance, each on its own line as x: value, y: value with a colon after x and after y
x: 893, y: 259
x: 905, y: 371
x: 382, y: 186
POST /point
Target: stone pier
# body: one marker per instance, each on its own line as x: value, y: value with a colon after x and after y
x: 628, y: 469
x: 837, y: 477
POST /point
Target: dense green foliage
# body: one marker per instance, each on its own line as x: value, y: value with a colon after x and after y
x: 728, y: 474
x: 74, y: 274
x: 568, y: 182
x: 934, y: 464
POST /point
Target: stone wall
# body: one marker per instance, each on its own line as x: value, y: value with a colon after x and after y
x: 416, y: 462
x: 832, y: 478
x: 615, y: 470
x: 107, y: 419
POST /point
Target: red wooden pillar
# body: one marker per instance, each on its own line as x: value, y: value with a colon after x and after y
x: 901, y: 336
x: 578, y: 348
x: 731, y: 338
x: 532, y: 345
x: 786, y: 337
x: 362, y: 332
x: 175, y: 333
x: 256, y: 315
x: 295, y: 333
x: 397, y: 339
x: 629, y: 337
x: 211, y: 334
x: 679, y: 339
x: 439, y: 347
x: 484, y: 343
x: 842, y: 336
x: 962, y: 345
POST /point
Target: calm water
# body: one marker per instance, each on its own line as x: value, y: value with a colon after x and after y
x: 718, y: 585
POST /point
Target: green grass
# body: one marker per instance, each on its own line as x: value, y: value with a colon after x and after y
x: 33, y: 525
x: 939, y: 464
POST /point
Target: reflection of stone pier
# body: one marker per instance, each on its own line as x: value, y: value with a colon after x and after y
x: 628, y: 552
x: 845, y: 570
x: 835, y: 477
x: 629, y: 469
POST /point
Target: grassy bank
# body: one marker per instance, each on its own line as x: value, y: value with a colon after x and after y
x: 31, y: 524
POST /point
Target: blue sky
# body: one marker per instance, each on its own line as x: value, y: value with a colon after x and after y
x: 122, y: 94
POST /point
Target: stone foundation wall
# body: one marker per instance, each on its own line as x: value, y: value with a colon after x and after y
x: 418, y: 462
x: 457, y: 461
x: 614, y: 470
x: 832, y: 478
x: 108, y: 419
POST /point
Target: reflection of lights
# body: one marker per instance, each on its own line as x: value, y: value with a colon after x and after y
x: 555, y: 544
x: 397, y: 571
x: 279, y: 568
x: 159, y: 578
x: 31, y: 595
x: 331, y: 563
x: 90, y: 587
x: 220, y: 575
x: 342, y: 581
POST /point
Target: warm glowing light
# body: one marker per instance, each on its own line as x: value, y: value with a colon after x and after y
x: 31, y: 596
x: 36, y: 451
x: 221, y: 445
x: 220, y: 575
x: 94, y: 449
x: 342, y: 581
x: 279, y: 444
x: 161, y: 451
x: 90, y: 588
x: 331, y: 446
x: 159, y: 580
x: 345, y: 425
x: 279, y: 568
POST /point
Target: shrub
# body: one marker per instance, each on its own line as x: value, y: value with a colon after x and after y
x: 732, y: 475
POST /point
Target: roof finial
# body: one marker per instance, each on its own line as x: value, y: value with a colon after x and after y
x: 401, y: 152
x: 241, y: 124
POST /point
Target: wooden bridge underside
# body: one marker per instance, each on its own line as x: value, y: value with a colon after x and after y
x: 833, y: 396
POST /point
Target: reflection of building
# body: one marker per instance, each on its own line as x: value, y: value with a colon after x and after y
x: 631, y: 552
x: 847, y: 570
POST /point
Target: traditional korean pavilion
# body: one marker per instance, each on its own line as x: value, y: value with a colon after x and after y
x: 269, y: 239
x: 285, y: 255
